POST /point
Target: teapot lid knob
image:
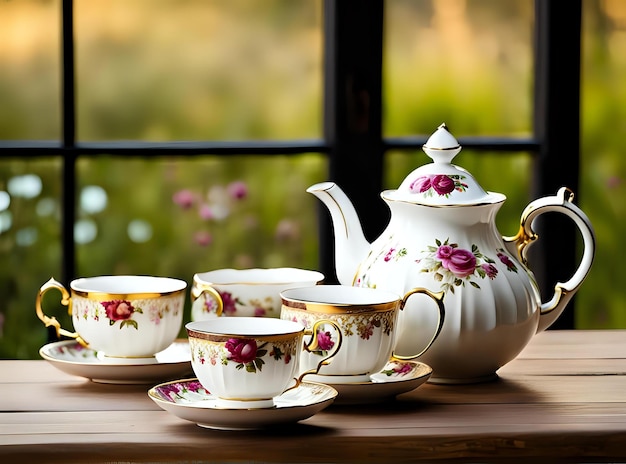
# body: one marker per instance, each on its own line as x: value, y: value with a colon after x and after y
x: 441, y: 146
x: 441, y: 183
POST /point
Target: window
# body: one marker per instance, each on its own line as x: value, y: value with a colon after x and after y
x: 353, y: 130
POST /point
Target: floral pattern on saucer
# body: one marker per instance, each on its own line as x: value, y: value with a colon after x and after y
x: 398, y: 369
x: 188, y: 400
x: 395, y: 378
x: 73, y: 352
x: 182, y: 391
x: 72, y: 358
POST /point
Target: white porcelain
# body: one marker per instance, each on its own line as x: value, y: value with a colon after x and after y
x: 395, y: 378
x: 245, y: 292
x: 368, y: 320
x: 122, y: 316
x: 246, y: 362
x: 73, y: 358
x: 442, y: 236
x: 189, y: 400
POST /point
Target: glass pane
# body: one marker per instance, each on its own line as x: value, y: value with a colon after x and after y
x: 30, y: 250
x: 29, y: 69
x: 507, y: 173
x: 198, y: 70
x: 178, y: 217
x: 467, y: 63
x: 602, y: 299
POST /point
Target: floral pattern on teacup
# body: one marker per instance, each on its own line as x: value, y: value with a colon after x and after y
x: 122, y: 311
x: 232, y: 304
x: 359, y: 325
x: 244, y: 352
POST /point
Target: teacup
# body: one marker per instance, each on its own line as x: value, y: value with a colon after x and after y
x: 120, y: 316
x: 245, y: 292
x: 246, y: 362
x: 367, y: 317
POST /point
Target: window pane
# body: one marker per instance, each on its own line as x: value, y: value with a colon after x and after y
x: 29, y: 69
x: 178, y: 217
x: 198, y: 70
x: 467, y: 63
x: 30, y: 250
x: 602, y: 298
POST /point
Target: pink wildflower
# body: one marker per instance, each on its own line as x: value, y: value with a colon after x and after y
x: 184, y: 198
x: 237, y: 190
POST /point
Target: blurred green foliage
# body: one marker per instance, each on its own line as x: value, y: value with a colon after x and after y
x: 238, y: 70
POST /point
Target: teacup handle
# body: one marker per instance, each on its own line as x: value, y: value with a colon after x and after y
x: 438, y: 298
x: 314, y: 344
x: 197, y: 292
x: 66, y: 300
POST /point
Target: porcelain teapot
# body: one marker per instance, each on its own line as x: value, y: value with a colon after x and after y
x: 442, y: 236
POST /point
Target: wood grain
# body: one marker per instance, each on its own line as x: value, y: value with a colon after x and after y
x: 562, y: 400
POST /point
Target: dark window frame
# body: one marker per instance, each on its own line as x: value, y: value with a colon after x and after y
x: 352, y: 138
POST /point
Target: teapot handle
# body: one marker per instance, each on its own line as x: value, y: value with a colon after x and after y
x: 519, y: 244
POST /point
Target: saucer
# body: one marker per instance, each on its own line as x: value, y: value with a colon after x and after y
x: 188, y: 400
x: 395, y: 378
x: 72, y: 358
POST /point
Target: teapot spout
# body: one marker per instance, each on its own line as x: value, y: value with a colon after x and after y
x: 351, y: 246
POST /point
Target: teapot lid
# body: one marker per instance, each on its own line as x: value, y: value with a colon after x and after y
x: 442, y: 183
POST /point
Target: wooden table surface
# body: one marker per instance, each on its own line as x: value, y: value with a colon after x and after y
x: 562, y: 400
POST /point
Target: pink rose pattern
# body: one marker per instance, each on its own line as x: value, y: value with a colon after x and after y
x: 231, y: 304
x: 399, y: 369
x: 504, y: 259
x: 441, y: 184
x: 325, y: 341
x: 178, y: 390
x: 454, y: 266
x: 122, y: 311
x: 362, y: 326
x: 244, y: 352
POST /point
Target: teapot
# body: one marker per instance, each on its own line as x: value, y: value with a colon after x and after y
x: 442, y: 236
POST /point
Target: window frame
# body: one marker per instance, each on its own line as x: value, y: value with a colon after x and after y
x: 352, y: 127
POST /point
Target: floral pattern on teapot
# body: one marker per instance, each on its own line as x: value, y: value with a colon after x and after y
x: 454, y: 266
x: 441, y: 184
x: 450, y: 264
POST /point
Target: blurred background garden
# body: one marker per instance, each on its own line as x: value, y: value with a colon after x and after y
x: 193, y: 70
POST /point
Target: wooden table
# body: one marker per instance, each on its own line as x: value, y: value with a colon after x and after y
x: 562, y: 399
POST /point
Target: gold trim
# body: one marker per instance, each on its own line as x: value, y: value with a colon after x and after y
x: 340, y: 308
x: 103, y: 296
x: 385, y: 196
x: 66, y: 300
x: 442, y: 149
x: 204, y: 285
x: 338, y: 208
x: 220, y: 338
